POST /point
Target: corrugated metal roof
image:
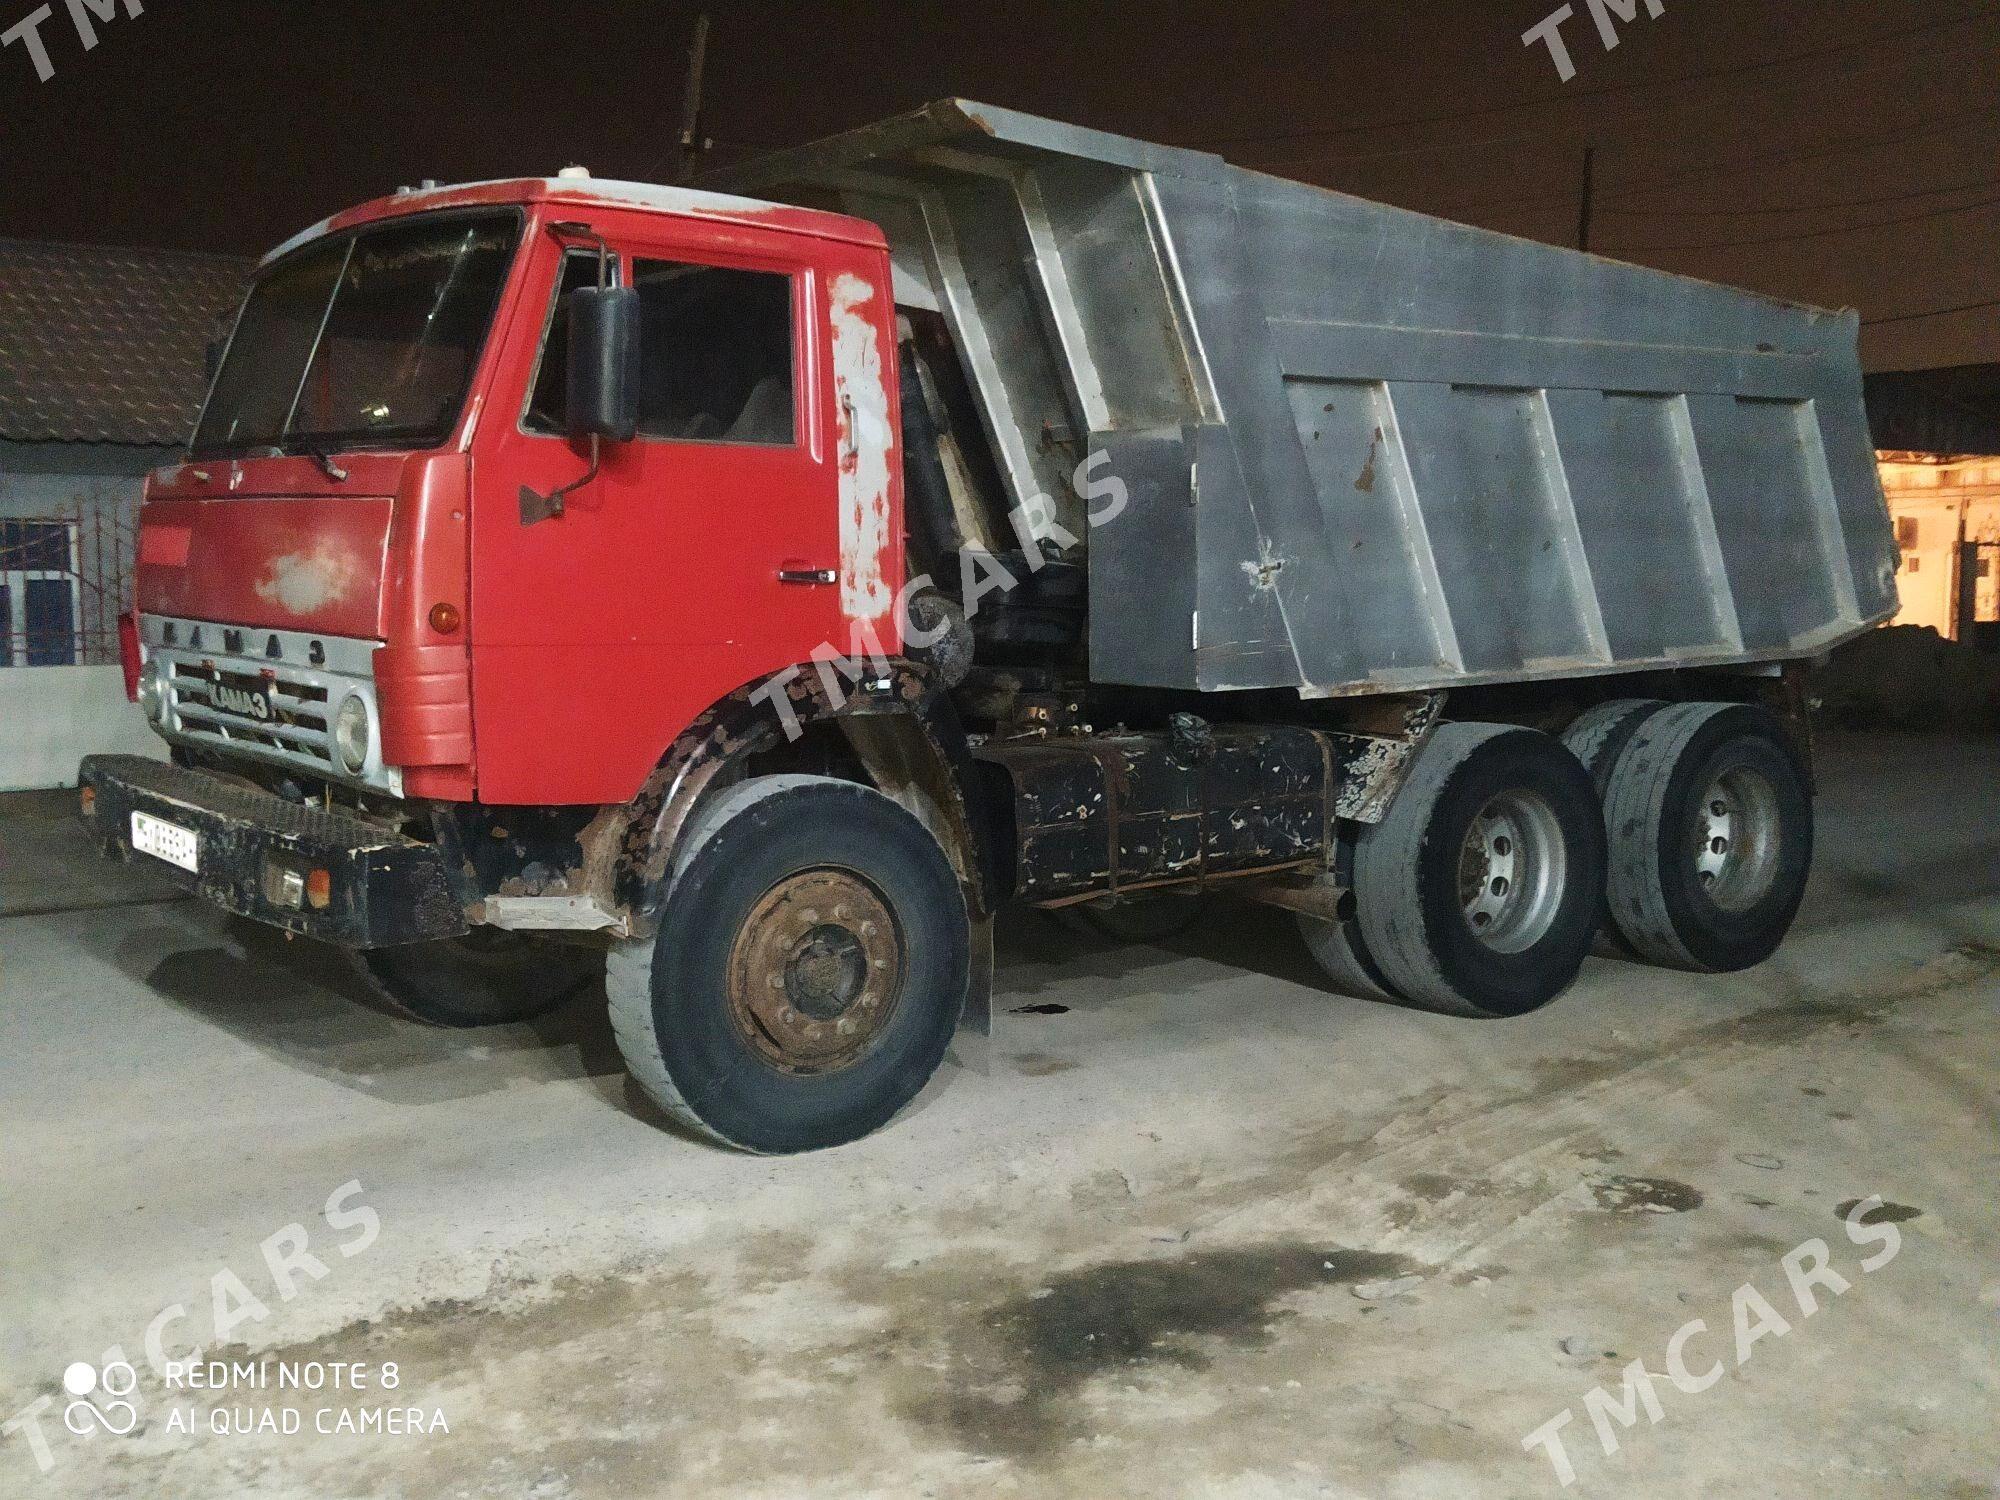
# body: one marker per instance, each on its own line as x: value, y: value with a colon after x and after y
x: 105, y: 345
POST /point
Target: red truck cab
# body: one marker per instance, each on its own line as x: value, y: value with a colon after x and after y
x: 362, y: 488
x: 514, y: 517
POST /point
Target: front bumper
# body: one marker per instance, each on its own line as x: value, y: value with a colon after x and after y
x: 307, y: 870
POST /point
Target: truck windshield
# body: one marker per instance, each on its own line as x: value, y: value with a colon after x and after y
x: 365, y: 339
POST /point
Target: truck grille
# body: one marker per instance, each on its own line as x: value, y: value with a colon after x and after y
x: 270, y: 695
x: 211, y: 703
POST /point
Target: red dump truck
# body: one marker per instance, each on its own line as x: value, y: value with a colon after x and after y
x: 739, y: 599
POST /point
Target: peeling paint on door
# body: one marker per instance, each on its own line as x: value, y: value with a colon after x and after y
x: 862, y: 401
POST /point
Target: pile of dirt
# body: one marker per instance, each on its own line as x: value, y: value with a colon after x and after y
x: 1909, y: 677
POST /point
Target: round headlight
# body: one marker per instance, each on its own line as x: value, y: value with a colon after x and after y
x: 153, y: 690
x: 350, y: 734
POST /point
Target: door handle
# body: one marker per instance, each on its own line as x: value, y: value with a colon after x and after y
x: 808, y: 575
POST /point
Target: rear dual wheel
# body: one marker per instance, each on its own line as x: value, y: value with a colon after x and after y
x: 1478, y: 894
x: 1709, y: 812
x: 1698, y: 857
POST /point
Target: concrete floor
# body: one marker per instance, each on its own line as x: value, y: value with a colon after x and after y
x: 1207, y: 1231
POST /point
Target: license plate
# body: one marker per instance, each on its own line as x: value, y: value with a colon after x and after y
x: 168, y: 841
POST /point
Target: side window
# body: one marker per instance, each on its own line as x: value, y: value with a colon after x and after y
x: 717, y: 350
x: 548, y: 406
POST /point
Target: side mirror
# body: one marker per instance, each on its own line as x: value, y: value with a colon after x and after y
x: 604, y: 363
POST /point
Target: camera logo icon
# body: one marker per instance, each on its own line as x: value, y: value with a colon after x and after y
x: 116, y: 1415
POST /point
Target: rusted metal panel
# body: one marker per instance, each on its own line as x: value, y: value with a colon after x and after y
x: 1104, y: 814
x: 627, y: 850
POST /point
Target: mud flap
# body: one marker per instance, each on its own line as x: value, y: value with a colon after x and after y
x: 972, y: 1043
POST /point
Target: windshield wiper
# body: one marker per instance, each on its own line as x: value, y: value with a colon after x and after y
x: 325, y: 461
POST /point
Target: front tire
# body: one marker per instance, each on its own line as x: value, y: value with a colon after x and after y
x: 810, y: 966
x: 1480, y: 891
x: 1711, y: 837
x: 485, y: 978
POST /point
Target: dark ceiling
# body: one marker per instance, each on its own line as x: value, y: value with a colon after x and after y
x: 1840, y: 152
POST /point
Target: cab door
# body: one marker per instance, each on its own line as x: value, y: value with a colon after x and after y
x: 703, y: 557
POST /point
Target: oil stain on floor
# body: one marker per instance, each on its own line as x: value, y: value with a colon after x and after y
x: 1019, y: 1375
x: 1881, y: 1213
x: 1644, y: 1195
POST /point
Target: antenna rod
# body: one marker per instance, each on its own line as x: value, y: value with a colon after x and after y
x: 1589, y: 205
x: 692, y: 144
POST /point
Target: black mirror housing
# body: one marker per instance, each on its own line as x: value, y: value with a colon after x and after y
x: 604, y: 363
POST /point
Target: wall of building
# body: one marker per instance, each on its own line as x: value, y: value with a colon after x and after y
x: 51, y: 717
x: 1948, y: 524
x: 42, y: 479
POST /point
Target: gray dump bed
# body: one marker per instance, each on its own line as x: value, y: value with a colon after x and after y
x: 1368, y: 450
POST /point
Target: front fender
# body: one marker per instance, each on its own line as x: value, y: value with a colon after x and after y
x: 633, y: 844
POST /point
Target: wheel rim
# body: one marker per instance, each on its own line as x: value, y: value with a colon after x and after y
x: 1512, y: 871
x: 1736, y: 839
x: 816, y: 971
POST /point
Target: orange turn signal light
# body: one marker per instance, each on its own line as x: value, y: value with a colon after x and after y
x: 444, y: 618
x: 86, y: 797
x: 319, y: 889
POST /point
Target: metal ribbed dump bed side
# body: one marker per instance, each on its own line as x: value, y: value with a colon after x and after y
x: 1364, y: 449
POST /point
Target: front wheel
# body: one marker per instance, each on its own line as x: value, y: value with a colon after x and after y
x: 810, y: 965
x: 485, y: 978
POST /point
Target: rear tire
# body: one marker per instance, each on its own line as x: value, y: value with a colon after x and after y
x: 1711, y: 829
x: 1600, y: 736
x: 488, y: 977
x: 1479, y: 893
x: 810, y: 966
x: 1336, y: 943
x: 1597, y: 739
x: 1342, y: 954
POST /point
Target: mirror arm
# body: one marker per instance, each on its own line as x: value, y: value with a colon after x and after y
x: 574, y: 231
x: 539, y: 507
